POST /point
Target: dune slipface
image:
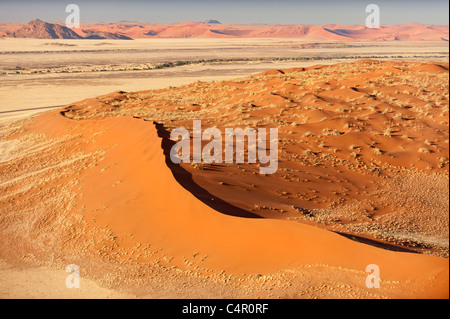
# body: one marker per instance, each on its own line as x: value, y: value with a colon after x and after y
x: 120, y: 206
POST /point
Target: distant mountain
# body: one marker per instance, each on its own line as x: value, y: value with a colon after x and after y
x: 38, y: 29
x: 212, y: 22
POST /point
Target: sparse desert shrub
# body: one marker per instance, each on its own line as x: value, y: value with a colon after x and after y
x: 388, y: 132
x: 377, y: 151
x: 424, y: 150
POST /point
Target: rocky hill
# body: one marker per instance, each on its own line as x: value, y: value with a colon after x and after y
x: 39, y: 29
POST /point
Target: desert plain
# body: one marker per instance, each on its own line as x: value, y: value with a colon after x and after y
x: 86, y: 176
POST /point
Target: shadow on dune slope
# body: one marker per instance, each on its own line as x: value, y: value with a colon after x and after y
x: 184, y: 178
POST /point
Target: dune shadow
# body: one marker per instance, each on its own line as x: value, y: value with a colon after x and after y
x: 184, y: 178
x: 378, y: 244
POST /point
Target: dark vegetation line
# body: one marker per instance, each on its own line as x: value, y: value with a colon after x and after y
x: 32, y: 109
x: 304, y: 59
x: 212, y: 61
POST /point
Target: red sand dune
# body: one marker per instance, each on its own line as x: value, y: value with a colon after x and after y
x: 124, y: 205
x: 166, y: 215
x: 412, y: 32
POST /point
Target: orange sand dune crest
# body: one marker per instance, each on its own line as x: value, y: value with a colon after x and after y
x: 162, y: 213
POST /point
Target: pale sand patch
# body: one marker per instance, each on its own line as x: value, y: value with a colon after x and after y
x: 48, y: 283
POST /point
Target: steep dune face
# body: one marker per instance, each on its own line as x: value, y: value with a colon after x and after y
x: 133, y: 195
x: 92, y: 184
x: 351, y: 156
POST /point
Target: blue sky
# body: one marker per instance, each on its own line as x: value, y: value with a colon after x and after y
x: 230, y: 11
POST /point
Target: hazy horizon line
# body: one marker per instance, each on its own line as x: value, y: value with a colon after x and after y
x: 225, y: 23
